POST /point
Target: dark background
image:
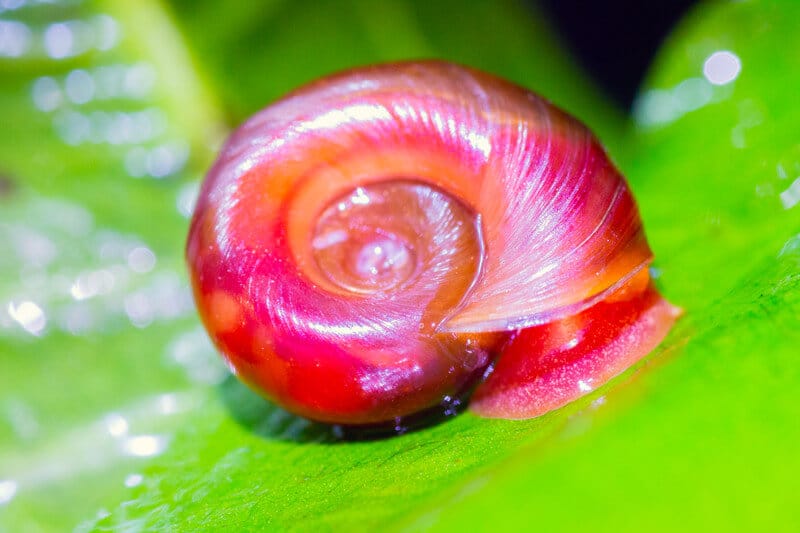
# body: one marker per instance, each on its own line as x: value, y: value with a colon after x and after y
x: 615, y: 41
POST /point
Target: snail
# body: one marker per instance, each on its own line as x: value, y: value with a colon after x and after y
x: 391, y: 237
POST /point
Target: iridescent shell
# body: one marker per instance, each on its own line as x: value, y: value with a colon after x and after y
x: 380, y: 240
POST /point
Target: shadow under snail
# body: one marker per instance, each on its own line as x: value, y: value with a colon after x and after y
x: 392, y: 236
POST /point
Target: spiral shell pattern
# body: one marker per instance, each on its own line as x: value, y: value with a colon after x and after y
x: 376, y: 241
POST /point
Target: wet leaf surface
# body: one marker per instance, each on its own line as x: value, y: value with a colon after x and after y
x: 115, y: 412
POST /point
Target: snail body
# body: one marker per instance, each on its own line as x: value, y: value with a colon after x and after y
x: 384, y: 238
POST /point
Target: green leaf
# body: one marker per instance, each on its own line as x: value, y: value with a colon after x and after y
x: 261, y: 50
x: 115, y: 412
x: 102, y: 145
x: 703, y: 436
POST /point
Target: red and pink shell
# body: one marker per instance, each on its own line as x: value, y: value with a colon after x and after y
x: 381, y: 239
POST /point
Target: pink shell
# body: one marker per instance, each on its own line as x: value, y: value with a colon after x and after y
x: 508, y: 209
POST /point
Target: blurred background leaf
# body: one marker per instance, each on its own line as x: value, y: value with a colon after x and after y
x: 116, y: 412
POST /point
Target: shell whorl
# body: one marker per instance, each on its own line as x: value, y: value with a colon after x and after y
x: 364, y: 246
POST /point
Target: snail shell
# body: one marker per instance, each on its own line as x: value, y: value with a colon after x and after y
x: 380, y: 239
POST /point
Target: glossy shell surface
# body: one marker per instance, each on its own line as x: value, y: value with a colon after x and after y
x: 378, y: 241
